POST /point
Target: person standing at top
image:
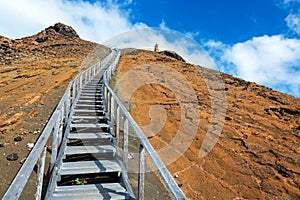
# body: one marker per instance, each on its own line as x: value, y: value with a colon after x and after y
x: 156, y: 48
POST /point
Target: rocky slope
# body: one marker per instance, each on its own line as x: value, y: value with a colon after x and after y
x: 257, y: 154
x: 34, y: 72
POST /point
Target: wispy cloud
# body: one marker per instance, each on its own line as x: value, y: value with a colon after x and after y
x: 269, y: 60
x: 293, y: 22
x: 183, y: 44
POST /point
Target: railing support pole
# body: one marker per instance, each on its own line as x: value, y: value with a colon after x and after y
x: 141, y: 183
x: 73, y: 92
x: 118, y: 124
x: 125, y: 144
x: 40, y: 174
x: 80, y: 81
x: 108, y: 104
x: 54, y: 143
x: 112, y: 111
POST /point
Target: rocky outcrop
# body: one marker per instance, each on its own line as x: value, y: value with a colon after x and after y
x: 64, y: 30
x: 172, y: 54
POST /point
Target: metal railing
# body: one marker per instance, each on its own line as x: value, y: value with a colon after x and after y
x: 57, y: 127
x: 121, y: 120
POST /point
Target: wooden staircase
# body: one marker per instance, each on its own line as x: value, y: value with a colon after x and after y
x: 86, y: 160
x: 90, y: 155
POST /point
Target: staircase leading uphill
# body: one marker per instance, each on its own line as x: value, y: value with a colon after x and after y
x: 90, y: 156
x: 85, y: 160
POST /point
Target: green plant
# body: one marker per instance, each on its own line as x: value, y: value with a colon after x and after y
x: 78, y: 182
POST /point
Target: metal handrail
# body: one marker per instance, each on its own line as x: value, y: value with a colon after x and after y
x: 56, y: 125
x: 111, y: 100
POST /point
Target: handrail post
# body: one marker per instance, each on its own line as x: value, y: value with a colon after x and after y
x: 80, y: 77
x: 54, y: 143
x: 67, y: 107
x: 125, y: 144
x: 85, y: 77
x: 108, y: 104
x: 61, y: 125
x: 112, y: 111
x: 141, y: 181
x: 40, y: 174
x: 105, y: 95
x: 73, y: 92
x: 118, y: 124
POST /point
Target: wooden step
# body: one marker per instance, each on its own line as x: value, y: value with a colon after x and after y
x: 90, y: 189
x: 89, y: 167
x: 89, y: 105
x: 87, y: 136
x: 88, y: 111
x: 91, y: 125
x: 72, y: 150
x: 90, y: 97
x: 91, y: 92
x: 88, y: 117
x: 111, y: 195
x: 89, y: 101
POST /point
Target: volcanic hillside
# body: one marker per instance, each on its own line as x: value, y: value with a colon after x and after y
x: 257, y: 154
x: 34, y: 73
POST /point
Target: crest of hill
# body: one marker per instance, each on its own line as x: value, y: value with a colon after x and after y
x: 59, y: 30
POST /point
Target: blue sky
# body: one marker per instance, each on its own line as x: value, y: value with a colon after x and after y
x: 257, y: 40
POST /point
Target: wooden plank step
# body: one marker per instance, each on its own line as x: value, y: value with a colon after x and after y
x: 93, y: 85
x: 88, y: 111
x: 104, y: 196
x: 91, y: 125
x: 87, y: 121
x: 95, y: 90
x: 88, y: 117
x: 90, y: 94
x: 90, y: 188
x: 89, y: 105
x: 89, y: 101
x: 89, y: 167
x: 86, y: 136
x: 90, y: 97
x: 72, y: 150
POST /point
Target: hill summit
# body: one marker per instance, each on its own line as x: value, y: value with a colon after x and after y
x: 58, y: 30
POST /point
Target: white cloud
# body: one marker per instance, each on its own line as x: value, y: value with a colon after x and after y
x: 93, y: 21
x: 162, y: 24
x: 167, y: 39
x: 293, y: 22
x: 272, y: 61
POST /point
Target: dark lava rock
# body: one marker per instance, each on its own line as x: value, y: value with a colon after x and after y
x: 18, y: 139
x: 64, y: 30
x: 42, y: 37
x: 172, y: 54
x: 12, y: 157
